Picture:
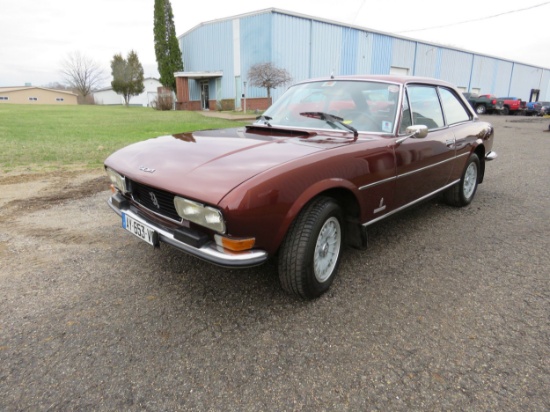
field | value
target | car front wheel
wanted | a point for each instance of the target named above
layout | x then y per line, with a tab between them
463	192
481	109
310	254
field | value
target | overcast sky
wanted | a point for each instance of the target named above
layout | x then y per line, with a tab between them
37	35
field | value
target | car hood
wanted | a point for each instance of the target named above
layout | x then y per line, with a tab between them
207	165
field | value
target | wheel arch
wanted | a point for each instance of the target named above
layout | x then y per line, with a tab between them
480	152
341	191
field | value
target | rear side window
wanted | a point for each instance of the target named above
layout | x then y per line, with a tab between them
453	109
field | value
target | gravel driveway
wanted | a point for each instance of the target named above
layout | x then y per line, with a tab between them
449	309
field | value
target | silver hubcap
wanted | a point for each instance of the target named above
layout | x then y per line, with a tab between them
327	249
470	179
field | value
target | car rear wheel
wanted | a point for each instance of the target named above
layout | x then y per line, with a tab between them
481	109
464	191
310	254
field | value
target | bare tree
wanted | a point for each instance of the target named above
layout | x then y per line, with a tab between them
82	73
269	76
57	86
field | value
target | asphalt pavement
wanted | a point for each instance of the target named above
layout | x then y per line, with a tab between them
448	309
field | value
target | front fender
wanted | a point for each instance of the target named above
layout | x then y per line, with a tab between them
266	212
310	193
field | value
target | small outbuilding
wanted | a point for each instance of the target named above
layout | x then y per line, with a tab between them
108	96
36	95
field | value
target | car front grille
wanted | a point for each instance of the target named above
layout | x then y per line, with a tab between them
156	200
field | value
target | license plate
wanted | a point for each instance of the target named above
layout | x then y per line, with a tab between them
142	231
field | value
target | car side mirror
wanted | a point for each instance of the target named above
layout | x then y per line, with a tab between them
417	131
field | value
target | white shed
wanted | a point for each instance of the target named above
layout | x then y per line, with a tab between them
108	96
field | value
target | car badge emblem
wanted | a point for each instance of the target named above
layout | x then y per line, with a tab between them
154	200
381	207
146	169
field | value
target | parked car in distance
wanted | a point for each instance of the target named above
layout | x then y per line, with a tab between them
482	104
531	108
307	178
510	105
542	108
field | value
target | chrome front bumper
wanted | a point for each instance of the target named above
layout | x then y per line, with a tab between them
209	251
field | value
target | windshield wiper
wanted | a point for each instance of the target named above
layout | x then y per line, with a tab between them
265	119
332	120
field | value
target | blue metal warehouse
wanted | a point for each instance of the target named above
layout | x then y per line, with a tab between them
218	54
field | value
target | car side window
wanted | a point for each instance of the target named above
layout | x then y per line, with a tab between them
426	109
453	109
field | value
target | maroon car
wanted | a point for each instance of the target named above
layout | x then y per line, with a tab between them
331	157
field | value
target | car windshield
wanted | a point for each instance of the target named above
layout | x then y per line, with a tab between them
363	105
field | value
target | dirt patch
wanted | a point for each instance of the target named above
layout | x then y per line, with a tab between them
22	194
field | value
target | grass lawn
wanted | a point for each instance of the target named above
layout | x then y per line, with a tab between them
42	137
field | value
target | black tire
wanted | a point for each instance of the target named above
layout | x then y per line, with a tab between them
464	191
310	254
505	111
481	109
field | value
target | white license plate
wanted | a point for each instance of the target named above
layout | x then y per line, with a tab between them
142	231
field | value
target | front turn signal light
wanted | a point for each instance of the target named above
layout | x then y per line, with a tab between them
235	244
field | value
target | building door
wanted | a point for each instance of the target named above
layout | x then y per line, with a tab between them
205	97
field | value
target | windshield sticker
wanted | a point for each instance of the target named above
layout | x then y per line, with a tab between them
387	126
328	84
393	89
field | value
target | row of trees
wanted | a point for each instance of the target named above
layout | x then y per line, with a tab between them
84	75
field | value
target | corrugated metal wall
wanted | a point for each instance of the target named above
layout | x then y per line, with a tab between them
491	76
403	54
544	86
426	60
308	48
209	48
256	46
381	54
525	78
325	54
455	67
291	47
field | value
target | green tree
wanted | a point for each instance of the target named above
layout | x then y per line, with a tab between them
167	49
127	75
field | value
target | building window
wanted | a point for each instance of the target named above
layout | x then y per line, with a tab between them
33	99
4	98
59	99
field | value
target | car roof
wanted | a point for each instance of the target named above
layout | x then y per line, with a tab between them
383	78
